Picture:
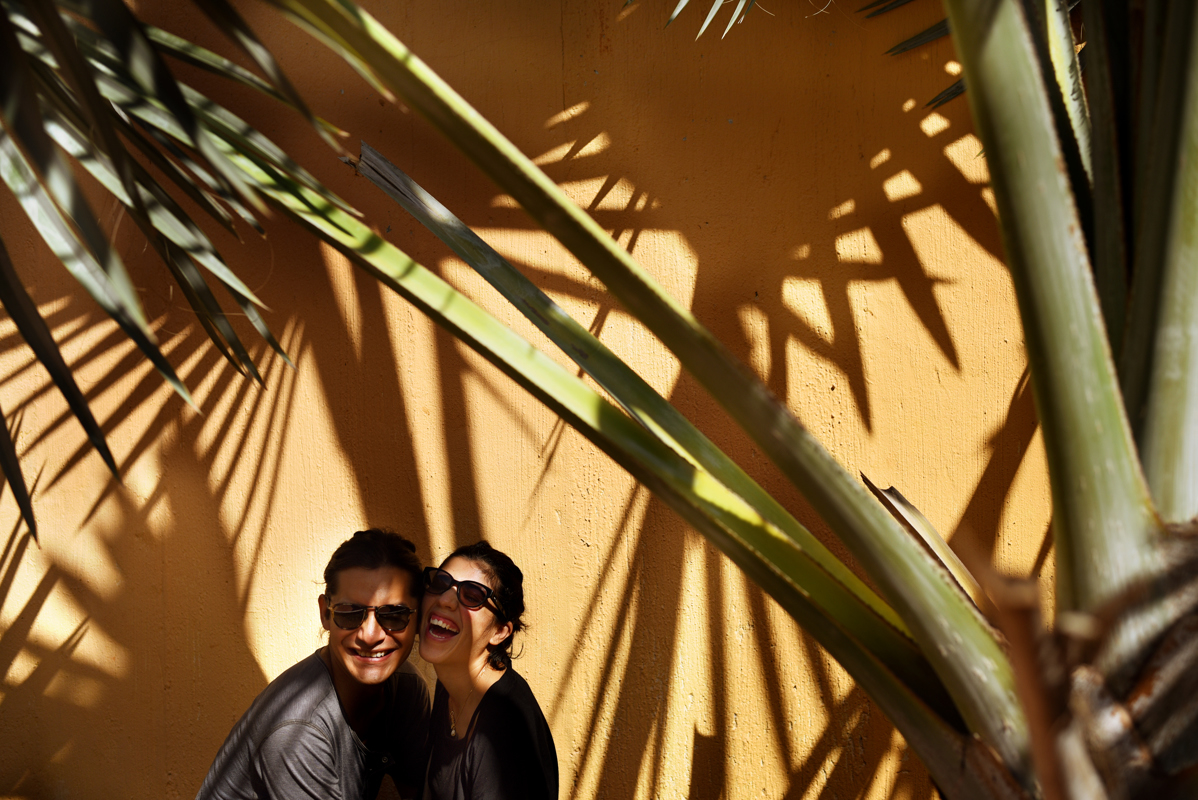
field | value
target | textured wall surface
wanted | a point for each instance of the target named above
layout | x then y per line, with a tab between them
786	183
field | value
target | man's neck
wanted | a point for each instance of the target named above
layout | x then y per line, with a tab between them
360	703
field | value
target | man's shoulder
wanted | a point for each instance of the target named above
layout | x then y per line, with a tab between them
302	693
290	715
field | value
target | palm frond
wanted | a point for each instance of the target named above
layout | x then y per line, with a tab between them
940	619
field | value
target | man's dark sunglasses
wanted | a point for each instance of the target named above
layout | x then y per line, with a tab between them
471	594
350	616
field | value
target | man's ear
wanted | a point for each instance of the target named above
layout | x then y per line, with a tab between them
502	631
325	617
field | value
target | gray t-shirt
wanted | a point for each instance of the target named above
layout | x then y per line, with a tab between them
294	741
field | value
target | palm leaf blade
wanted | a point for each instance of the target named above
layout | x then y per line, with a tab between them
159	209
37	335
937	31
141	61
74	256
10	464
22	121
913	520
1108	93
227	18
1169	431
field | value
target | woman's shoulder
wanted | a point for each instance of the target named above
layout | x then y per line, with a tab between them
510	709
512	683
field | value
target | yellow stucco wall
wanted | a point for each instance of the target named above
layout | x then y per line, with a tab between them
786	183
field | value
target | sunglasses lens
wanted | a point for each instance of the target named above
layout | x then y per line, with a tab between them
348	617
437	581
393	619
471	594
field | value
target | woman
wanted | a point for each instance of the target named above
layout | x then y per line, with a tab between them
488	737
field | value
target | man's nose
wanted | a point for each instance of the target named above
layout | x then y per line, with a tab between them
370	628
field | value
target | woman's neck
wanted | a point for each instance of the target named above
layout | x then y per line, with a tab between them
466	688
463	682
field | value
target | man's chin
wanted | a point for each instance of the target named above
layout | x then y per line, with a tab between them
372	671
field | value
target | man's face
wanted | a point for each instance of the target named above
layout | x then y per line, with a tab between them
368	654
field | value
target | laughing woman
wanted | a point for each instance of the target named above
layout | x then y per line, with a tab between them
488	736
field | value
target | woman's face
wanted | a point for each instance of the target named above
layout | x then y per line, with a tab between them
450	633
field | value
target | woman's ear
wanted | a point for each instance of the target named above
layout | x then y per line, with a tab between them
325	616
502	631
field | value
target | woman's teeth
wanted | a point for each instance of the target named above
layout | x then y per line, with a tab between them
441	627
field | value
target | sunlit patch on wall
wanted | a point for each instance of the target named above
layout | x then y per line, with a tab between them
966	155
755	325
843	210
595	146
66	329
504	201
804	297
858	247
880	159
933	124
78	690
567	115
345	293
553	156
801	252
908	104
901	186
988	196
63	753
90	648
953	68
20	668
618	648
594	194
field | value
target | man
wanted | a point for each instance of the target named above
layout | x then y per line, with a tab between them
333	724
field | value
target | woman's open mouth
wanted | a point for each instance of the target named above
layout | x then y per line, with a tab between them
440	629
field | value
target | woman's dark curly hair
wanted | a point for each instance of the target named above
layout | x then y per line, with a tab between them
374	549
508	586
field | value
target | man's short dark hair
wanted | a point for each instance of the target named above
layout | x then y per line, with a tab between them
374	549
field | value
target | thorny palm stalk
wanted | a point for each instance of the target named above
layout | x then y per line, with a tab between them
1116	560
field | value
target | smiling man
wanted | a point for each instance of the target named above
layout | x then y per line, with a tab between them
332	725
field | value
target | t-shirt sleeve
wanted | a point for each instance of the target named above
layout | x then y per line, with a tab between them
296	761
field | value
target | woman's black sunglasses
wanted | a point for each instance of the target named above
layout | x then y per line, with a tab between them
471	594
350	616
